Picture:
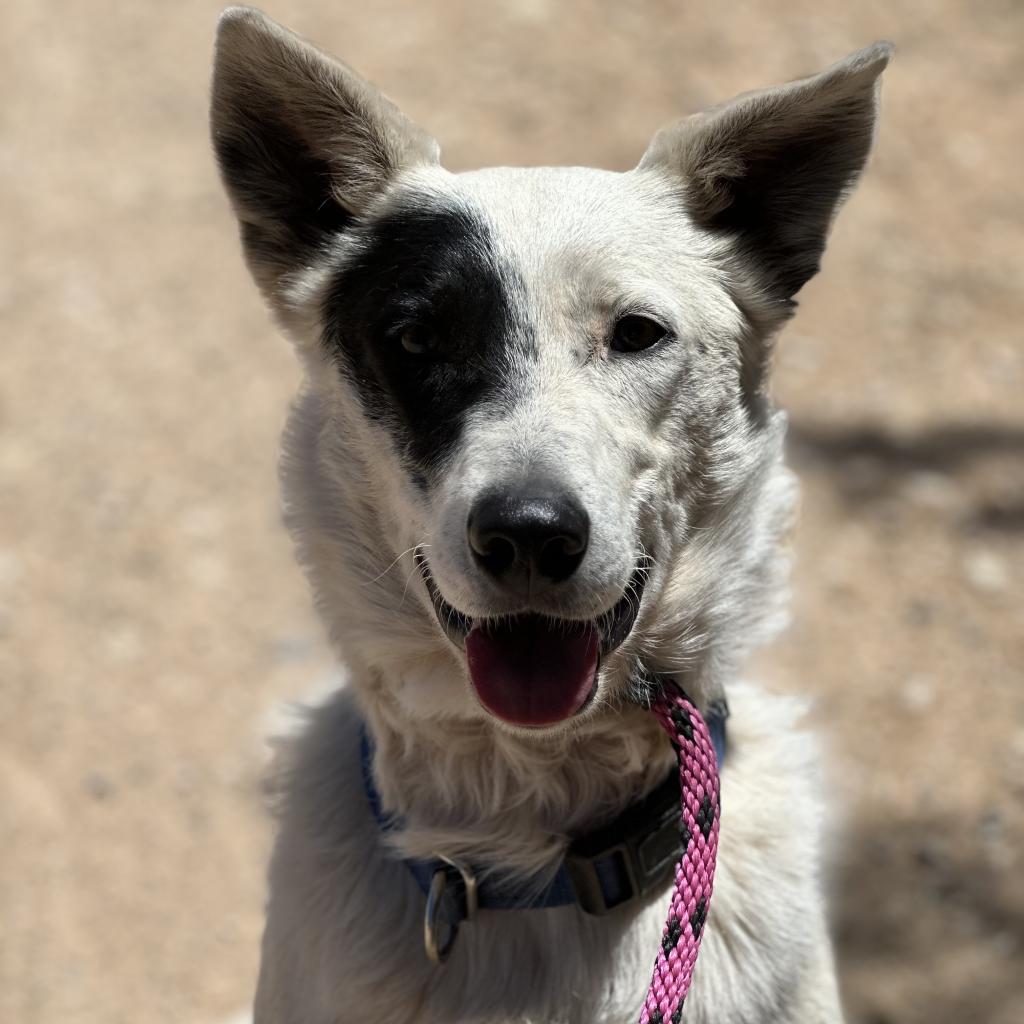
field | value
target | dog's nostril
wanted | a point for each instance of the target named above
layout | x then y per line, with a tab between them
534	535
495	553
559	557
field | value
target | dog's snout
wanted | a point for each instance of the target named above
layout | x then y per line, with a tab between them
529	539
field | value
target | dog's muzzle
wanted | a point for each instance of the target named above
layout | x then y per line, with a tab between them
534	670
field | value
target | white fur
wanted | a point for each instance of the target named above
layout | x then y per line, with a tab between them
344	935
678	455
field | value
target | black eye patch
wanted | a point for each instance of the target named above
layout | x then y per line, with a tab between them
427	273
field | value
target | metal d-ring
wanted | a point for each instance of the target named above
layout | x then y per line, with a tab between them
442	917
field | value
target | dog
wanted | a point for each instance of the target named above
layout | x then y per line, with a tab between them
534	449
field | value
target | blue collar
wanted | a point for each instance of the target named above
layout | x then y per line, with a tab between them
625	860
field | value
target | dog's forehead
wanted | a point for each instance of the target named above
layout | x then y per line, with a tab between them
607	234
554	206
545	215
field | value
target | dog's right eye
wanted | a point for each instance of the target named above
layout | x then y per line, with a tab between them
418	339
633	333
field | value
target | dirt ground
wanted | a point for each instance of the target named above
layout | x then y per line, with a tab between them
151	618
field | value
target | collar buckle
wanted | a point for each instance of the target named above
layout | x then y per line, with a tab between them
632	858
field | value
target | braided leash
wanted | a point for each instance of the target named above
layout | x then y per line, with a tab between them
695	872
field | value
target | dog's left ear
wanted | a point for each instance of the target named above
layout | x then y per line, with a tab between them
771	167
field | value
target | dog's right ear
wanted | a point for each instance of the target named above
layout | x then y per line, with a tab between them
304	144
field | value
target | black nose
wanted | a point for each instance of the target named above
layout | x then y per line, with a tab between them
529	538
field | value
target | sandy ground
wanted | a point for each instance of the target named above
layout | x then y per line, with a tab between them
150	615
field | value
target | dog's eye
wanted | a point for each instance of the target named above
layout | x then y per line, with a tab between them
633	333
418	339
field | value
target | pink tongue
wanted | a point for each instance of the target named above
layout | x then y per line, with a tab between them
531	671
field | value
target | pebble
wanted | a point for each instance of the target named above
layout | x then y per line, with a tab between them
918	694
932	490
985	571
99	786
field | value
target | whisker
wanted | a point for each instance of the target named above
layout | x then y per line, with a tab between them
405	589
397	559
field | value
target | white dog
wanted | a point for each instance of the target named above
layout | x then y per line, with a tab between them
533	451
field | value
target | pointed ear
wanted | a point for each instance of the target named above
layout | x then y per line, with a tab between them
771	167
304	144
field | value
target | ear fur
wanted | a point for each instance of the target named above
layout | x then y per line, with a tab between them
303	143
771	167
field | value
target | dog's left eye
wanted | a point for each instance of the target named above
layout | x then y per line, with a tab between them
418	339
633	333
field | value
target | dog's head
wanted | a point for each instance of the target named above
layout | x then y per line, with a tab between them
542	393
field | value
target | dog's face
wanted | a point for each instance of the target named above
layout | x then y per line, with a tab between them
535	364
548	384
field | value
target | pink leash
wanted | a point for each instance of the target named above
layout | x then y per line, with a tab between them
695	872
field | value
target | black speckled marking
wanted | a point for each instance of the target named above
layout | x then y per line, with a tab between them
437	265
699	917
706	815
671	937
682	721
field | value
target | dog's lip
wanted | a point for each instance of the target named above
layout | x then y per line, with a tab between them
613	626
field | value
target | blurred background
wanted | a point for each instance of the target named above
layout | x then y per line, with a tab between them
151	617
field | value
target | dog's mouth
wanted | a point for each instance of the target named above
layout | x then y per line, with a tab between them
536	670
